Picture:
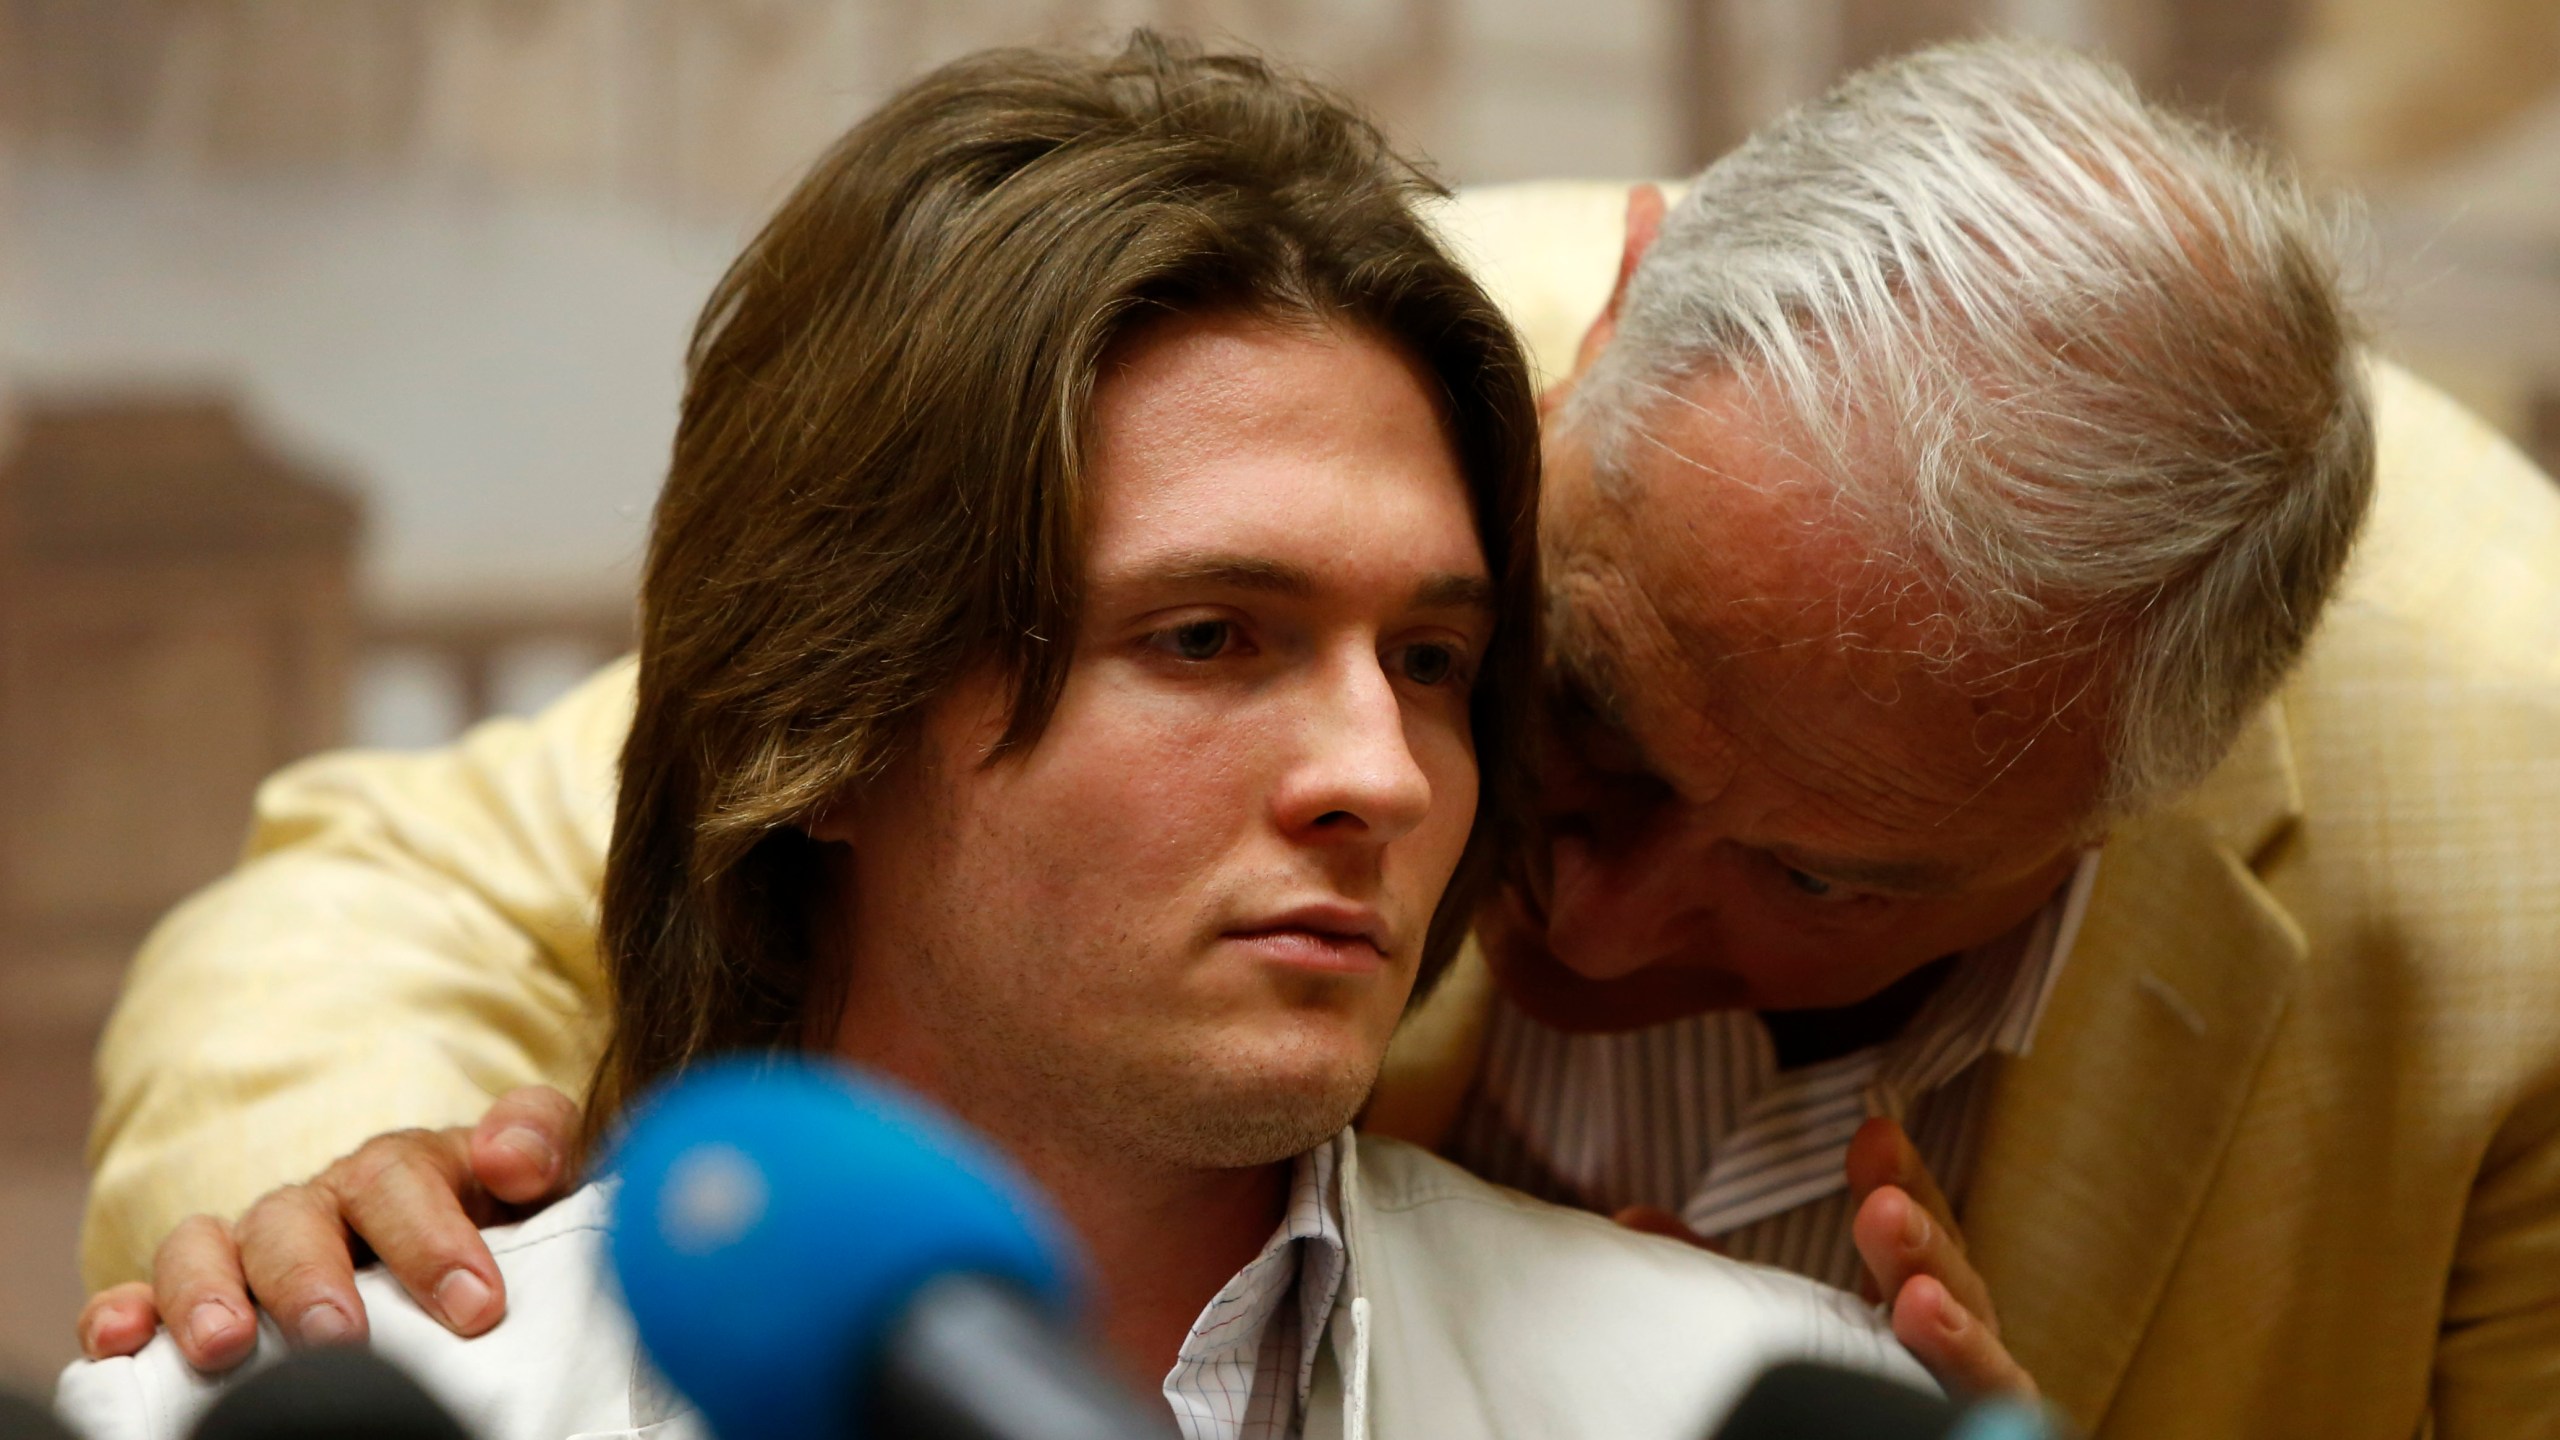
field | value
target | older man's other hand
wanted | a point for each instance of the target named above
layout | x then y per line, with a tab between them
415	1198
1906	1232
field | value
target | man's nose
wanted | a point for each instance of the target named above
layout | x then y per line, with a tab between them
1612	912
1357	776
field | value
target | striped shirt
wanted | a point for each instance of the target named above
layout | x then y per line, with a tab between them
1244	1370
1696	1118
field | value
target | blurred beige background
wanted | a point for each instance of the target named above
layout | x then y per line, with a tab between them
339	343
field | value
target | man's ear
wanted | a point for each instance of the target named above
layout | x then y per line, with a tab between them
1645	209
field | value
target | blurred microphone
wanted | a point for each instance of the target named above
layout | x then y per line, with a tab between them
809	1254
332	1393
1801	1401
24	1419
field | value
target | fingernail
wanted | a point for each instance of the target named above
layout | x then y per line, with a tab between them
210	1322
1951	1319
530	1144
324	1324
464	1298
1915	1228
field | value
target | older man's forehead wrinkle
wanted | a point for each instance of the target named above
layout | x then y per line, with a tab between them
1749	630
1860	781
1792	701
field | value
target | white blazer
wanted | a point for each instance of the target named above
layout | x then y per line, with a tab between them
1469	1312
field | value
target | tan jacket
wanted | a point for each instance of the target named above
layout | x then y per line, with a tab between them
1468	1312
2285	1161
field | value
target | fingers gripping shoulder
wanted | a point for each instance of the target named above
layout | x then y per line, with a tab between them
151	1395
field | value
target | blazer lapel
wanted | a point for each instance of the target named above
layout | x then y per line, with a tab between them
2100	1145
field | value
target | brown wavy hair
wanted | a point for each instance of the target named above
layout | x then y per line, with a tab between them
879	479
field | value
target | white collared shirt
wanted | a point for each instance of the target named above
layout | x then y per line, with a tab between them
1695	1117
1244	1370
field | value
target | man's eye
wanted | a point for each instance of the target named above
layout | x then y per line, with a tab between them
1813	885
1428	664
1198	640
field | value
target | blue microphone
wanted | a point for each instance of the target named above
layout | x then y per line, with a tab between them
328	1393
806	1253
1799	1400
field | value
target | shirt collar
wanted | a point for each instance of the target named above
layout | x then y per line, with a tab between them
2052	935
1305	1259
1781	1148
1993	1000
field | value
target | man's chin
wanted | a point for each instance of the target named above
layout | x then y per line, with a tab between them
1555	996
1259	1115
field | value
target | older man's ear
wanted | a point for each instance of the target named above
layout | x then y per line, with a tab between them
1645	209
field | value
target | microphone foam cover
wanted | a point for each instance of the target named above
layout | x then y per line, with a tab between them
328	1394
24	1419
775	1217
1798	1400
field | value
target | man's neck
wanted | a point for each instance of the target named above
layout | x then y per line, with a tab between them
1809	1037
1163	1243
1163	1239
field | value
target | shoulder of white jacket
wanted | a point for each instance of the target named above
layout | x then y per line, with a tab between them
153	1394
103	1399
564	1241
1792	1316
156	1395
1397	1178
580	1217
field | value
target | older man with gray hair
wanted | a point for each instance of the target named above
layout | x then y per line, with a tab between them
1996	843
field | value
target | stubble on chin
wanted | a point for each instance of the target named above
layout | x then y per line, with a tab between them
1172	1113
1235	1122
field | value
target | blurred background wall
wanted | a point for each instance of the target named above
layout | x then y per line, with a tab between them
340	341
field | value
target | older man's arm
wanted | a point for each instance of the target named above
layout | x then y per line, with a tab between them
410	936
2498	1361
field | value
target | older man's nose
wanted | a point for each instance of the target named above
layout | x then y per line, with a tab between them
1607	914
1358	778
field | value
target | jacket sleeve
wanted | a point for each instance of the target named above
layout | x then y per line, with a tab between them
409	935
2497	1370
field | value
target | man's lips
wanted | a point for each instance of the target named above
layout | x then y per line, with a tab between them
1348	939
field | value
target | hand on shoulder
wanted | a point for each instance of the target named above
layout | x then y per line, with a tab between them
1906	1232
414	1199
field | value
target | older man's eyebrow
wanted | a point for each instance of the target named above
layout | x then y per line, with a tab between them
1905	877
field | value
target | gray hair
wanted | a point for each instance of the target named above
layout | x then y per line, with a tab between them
2086	363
